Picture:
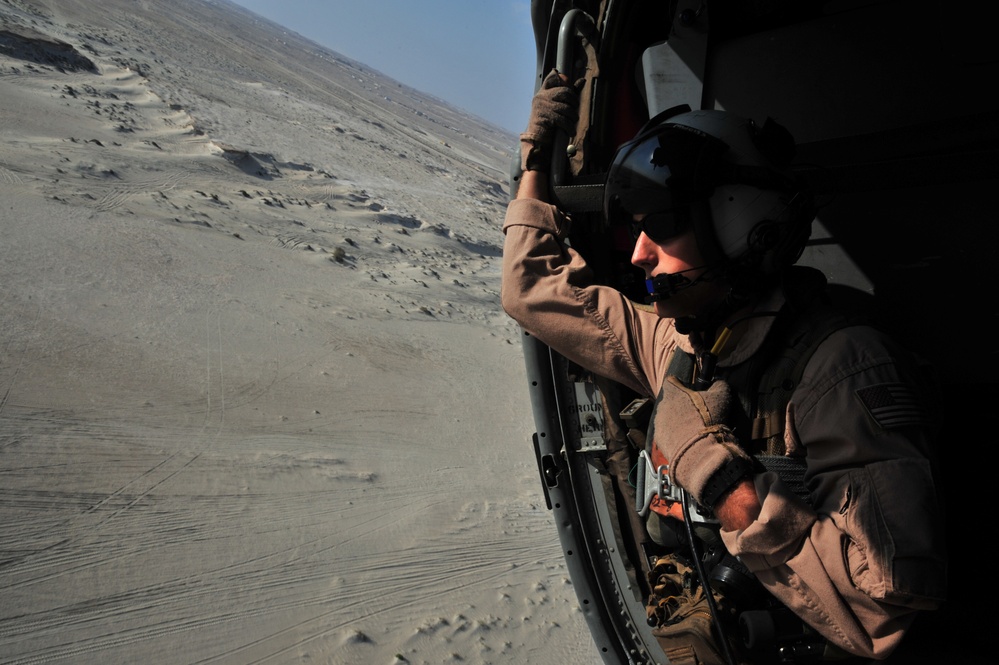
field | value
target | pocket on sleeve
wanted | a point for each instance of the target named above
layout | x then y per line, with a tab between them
895	551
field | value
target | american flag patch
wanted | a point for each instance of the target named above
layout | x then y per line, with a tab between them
892	405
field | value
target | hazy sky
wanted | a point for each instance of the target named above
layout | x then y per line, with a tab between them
475	54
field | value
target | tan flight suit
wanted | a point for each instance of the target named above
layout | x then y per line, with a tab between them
868	553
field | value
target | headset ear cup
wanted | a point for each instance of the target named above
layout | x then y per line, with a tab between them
764	239
776	244
800	215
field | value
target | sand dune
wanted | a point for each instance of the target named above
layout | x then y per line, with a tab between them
258	400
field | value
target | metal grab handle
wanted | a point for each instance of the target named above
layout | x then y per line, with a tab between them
575	23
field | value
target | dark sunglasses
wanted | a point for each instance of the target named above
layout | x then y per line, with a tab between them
662	226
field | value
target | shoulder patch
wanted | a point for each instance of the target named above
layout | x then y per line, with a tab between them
892	405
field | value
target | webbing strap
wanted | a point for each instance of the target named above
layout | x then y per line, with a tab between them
767	426
791	471
682	365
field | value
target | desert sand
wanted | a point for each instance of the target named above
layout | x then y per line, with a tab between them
258	400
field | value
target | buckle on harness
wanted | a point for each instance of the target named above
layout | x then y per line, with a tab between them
651	483
655	483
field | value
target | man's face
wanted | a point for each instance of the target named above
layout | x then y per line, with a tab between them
679	254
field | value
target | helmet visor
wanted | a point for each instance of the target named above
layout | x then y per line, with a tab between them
660	174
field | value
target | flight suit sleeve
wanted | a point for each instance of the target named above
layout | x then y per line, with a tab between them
548	289
868	553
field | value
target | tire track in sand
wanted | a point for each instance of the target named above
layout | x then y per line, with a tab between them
129	494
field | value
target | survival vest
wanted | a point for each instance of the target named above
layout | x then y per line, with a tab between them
764	383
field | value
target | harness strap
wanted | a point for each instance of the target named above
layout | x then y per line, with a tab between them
682	366
791	470
767	425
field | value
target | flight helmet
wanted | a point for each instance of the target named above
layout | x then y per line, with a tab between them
720	175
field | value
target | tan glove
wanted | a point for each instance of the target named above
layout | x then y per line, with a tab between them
555	106
704	457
